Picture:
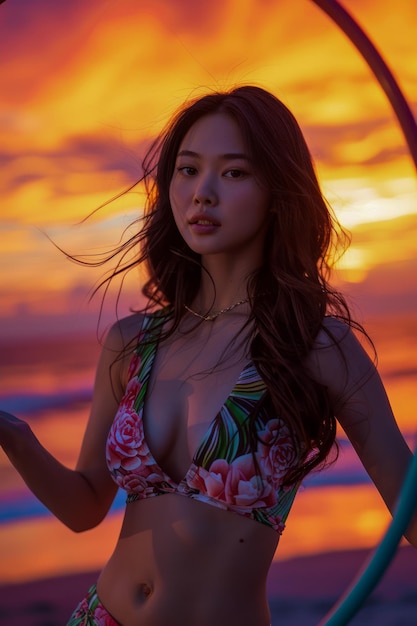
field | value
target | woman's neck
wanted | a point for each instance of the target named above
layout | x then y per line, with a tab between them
220	294
222	285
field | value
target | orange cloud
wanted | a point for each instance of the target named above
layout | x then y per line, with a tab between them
86	85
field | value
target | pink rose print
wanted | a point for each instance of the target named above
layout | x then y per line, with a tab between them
211	482
276	450
245	488
131	393
236	483
133	484
102	617
278	525
125	441
134	366
145	484
81	609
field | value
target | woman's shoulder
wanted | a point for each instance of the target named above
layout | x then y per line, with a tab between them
338	359
125	333
333	332
121	343
339	340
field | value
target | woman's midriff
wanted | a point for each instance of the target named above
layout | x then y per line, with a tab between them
183	562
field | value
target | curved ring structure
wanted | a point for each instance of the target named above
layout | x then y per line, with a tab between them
375	567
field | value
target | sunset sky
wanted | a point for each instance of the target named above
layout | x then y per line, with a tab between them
86	85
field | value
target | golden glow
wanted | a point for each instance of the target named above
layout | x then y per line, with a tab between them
118	71
358	518
63	551
83	94
354	264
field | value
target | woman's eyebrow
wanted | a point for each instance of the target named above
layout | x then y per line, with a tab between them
229	156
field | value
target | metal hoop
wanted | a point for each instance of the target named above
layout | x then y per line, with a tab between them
374	568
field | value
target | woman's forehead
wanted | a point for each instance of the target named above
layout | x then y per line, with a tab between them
216	133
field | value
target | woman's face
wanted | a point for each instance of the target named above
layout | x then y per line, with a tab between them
217	201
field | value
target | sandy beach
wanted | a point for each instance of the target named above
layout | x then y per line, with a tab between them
301	591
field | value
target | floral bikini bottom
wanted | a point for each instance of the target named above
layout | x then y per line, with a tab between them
91	612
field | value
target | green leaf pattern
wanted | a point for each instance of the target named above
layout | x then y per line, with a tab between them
240	463
91	612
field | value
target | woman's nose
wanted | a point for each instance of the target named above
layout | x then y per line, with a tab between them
205	192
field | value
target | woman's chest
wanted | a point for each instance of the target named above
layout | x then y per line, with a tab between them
188	385
183	398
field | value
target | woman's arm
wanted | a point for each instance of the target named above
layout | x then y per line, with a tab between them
79	497
363	410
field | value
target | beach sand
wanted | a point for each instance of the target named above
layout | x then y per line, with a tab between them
304	589
301	591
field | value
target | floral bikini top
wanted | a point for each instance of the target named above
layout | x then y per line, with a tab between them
224	471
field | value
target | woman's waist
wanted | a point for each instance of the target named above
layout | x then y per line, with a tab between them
187	597
183	528
171	547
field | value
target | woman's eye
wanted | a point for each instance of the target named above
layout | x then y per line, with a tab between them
187	170
234	173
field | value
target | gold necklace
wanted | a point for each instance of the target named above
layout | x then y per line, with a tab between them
213	316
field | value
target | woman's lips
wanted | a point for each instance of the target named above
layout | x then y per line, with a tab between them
203	224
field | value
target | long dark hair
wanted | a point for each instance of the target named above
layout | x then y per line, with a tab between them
290	294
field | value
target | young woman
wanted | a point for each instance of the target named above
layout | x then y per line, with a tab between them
212	405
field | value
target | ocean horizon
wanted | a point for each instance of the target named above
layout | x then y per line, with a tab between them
48	381
17	503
